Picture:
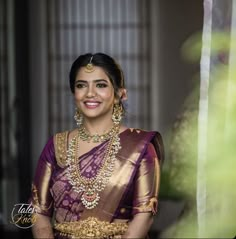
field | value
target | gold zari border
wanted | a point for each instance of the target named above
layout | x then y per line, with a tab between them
91	228
61	148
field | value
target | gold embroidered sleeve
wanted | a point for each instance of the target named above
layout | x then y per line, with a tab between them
60	144
147	183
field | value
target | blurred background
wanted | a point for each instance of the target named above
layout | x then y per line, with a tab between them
40	39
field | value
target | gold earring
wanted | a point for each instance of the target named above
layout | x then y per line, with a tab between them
78	117
117	114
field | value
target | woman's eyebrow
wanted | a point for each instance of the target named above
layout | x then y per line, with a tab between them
96	81
82	81
100	80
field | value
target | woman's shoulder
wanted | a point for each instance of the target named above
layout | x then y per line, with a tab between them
65	135
151	138
137	137
61	140
141	132
60	133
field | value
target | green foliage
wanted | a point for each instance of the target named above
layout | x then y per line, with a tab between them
180	173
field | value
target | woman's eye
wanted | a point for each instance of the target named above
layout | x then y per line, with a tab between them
79	85
101	85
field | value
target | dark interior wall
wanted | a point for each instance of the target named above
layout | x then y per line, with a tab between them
22	161
178	20
22	97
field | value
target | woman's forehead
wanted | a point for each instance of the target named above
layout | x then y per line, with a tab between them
97	73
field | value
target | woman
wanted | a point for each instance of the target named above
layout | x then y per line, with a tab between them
100	180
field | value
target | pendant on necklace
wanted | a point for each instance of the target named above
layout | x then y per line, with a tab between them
90	198
96	138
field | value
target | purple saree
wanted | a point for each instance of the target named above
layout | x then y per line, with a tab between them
132	188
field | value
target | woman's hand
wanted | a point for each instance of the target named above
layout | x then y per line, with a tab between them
139	226
42	227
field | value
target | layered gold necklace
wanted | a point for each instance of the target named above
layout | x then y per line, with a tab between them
96	138
90	187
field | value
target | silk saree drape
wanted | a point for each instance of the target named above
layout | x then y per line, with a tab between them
132	188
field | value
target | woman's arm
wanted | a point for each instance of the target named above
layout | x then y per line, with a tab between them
41	198
139	226
42	227
146	187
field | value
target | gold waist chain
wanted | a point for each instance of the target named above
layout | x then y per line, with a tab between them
91	228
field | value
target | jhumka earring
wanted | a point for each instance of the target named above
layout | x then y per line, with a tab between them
117	114
89	67
78	117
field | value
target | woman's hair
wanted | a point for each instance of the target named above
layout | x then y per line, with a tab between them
107	63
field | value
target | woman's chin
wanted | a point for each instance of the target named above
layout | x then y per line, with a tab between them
90	117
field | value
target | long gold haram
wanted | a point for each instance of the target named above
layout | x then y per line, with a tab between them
90	187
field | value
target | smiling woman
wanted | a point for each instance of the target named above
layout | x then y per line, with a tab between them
94	96
100	180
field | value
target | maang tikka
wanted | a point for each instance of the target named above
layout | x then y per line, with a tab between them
78	117
89	67
117	114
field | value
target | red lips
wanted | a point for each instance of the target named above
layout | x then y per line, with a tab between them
91	104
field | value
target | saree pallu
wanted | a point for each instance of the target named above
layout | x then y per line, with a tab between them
132	188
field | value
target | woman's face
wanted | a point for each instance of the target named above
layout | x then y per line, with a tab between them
94	93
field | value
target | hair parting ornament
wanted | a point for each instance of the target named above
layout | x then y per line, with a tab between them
89	67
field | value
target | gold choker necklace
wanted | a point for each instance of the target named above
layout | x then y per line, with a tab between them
96	138
90	187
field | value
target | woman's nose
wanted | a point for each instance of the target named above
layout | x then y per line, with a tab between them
91	91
